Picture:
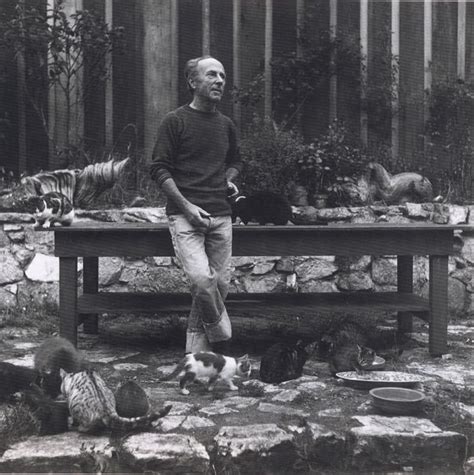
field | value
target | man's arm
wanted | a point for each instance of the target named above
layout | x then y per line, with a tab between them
194	214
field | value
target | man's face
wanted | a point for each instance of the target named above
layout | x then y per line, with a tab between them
209	81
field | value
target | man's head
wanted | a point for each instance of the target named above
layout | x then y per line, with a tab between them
205	77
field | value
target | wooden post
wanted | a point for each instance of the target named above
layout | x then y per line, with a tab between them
160	70
395	54
206	27
109	97
90	286
268	58
461	56
405	284
364	41
236	33
332	67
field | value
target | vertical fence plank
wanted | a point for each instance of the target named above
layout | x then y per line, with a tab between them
268	58
427	54
109	99
364	43
236	40
461	40
206	27
21	107
333	77
395	55
158	72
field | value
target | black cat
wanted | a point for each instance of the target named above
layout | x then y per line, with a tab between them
263	207
15	378
284	361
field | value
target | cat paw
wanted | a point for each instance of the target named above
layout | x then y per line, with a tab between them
47	224
185	391
234	388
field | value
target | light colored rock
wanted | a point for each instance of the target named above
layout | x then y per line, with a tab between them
4	241
108	356
55	453
384	271
17	237
110	269
259	439
312	387
10	270
355	281
145	215
129	366
457	214
416	210
217	410
277	409
393	442
26	360
165	453
23	255
287	395
15	218
332	412
43	268
334	214
163	261
169	423
12	228
196	422
263	268
455	373
179	408
314	269
263	284
468	248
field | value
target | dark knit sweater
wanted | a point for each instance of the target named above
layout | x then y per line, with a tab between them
196	148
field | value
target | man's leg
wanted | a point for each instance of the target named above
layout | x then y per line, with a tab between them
208	311
219	252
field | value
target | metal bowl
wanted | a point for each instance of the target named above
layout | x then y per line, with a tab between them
397	401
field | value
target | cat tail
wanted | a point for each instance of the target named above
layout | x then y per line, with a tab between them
175	372
119	423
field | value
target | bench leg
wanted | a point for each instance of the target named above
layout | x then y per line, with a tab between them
405	284
91	286
68	298
438	332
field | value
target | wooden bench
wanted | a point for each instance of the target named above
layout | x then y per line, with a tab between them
92	241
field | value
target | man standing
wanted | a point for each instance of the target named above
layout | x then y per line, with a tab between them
195	161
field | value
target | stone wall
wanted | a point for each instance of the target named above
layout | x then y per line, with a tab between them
29	271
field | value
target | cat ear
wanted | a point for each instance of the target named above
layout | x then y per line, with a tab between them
244	358
62	373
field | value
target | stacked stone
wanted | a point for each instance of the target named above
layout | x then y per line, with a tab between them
29	270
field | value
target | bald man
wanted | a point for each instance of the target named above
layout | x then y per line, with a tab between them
195	160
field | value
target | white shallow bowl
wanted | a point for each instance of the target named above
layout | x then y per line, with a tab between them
397	401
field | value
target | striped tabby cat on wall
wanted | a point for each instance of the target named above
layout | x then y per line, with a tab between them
92	404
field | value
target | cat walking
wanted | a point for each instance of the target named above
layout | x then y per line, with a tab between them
50	209
211	366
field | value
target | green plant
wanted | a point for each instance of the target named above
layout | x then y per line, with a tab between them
269	154
67	52
331	160
450	147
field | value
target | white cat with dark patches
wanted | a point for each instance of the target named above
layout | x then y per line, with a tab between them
51	209
210	366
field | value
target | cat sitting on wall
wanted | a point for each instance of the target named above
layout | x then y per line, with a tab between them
262	207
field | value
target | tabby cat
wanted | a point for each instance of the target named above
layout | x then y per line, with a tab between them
351	357
213	366
92	404
284	361
131	400
15	378
263	207
52	355
51	209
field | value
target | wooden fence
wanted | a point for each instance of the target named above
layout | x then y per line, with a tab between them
429	39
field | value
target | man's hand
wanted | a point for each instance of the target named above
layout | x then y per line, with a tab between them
196	216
